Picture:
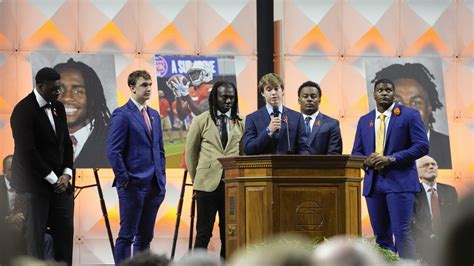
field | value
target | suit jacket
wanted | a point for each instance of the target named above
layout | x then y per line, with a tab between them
94	152
204	146
136	156
406	140
257	141
422	226
440	149
325	137
4	204
38	149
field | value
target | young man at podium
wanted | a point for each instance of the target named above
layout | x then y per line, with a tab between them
213	134
274	128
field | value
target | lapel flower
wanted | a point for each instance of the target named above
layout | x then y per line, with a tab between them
318	122
371	123
285	118
396	111
54	112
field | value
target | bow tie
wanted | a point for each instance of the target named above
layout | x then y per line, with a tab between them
48	105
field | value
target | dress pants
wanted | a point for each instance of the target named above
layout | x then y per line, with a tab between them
208	204
53	210
391	216
138	206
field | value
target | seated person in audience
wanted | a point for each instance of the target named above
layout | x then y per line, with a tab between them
12	220
433	204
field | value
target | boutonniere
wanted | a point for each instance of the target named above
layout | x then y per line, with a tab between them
54	112
152	119
318	122
396	111
285	118
371	123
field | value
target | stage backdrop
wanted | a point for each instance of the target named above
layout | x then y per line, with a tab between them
327	41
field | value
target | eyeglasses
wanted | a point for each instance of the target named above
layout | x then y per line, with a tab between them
428	165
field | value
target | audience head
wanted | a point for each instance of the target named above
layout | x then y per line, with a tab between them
146	258
344	251
427	169
199	257
7	166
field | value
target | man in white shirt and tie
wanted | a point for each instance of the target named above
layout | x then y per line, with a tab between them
432	206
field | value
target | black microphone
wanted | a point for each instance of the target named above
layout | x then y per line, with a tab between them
276	113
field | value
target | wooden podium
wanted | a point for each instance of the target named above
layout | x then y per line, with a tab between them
313	195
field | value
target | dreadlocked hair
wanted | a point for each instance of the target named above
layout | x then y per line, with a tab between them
96	104
234	110
417	72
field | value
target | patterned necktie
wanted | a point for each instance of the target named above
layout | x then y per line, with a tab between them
379	144
435	212
307	120
147	120
223	129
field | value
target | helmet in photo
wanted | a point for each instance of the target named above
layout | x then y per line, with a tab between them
200	72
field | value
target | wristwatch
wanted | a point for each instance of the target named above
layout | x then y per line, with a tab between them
268	131
392	159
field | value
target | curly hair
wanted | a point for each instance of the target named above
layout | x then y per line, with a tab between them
213	101
96	104
420	74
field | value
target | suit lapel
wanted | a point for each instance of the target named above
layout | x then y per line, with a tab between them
316	127
215	133
139	117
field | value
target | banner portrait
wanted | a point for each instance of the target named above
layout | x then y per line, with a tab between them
184	83
89	95
419	84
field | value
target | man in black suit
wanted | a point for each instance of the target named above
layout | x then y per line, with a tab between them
42	166
433	205
415	88
87	113
324	135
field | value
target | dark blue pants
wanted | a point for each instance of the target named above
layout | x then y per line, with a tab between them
138	206
391	216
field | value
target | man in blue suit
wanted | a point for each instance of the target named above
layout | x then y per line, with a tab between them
266	130
136	153
393	137
324	135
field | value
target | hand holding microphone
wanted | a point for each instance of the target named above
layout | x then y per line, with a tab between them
275	122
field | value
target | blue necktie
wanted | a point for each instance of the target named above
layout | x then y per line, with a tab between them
306	123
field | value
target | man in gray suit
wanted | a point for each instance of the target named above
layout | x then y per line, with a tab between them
324	135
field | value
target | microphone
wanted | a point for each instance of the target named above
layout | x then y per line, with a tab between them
276	113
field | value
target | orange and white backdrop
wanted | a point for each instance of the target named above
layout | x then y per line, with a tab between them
327	41
331	41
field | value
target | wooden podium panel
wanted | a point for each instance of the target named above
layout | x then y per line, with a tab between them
313	195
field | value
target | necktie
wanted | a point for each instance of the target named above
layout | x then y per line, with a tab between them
307	120
435	212
48	105
379	145
223	129
147	120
